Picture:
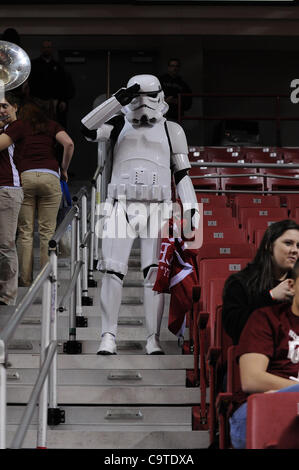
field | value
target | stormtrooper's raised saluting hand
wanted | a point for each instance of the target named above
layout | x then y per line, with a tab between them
125	95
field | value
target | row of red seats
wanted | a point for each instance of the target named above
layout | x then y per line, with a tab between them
233	226
229	223
246	179
246	154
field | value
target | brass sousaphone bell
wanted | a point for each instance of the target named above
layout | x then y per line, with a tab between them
15	66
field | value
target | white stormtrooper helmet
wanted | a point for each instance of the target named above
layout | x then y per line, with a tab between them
149	106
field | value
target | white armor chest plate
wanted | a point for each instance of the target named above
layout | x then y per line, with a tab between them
141	164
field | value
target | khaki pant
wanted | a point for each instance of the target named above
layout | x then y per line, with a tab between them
10	204
42	193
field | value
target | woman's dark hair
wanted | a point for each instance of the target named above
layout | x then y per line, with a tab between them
35	116
260	271
11	98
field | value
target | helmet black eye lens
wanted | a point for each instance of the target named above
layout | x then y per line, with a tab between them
152	95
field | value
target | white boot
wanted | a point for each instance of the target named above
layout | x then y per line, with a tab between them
153	345
107	345
110	300
153	308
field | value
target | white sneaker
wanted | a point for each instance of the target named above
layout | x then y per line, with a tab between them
153	345
107	344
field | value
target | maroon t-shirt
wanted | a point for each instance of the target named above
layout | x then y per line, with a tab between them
34	150
274	332
9	175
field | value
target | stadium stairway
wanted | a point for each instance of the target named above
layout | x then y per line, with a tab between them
126	401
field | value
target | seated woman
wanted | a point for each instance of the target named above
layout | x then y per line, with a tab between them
268	354
264	281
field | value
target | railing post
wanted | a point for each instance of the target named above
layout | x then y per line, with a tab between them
78	257
91	281
45	341
85	299
97	212
73	346
2	396
81	321
55	414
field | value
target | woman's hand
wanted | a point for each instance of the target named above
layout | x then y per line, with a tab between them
64	175
284	291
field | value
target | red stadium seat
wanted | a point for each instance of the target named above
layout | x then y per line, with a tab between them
197	153
255	223
269	212
208	269
264	155
281	180
295	214
212	200
224	154
273	421
218	217
204	177
258	236
221	249
291	155
254	200
291	201
224	234
241	179
226	401
215	212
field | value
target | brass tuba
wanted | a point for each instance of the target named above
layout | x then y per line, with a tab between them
15	66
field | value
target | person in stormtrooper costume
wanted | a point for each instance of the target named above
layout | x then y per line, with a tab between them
148	149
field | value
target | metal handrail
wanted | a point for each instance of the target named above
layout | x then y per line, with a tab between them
26	302
67	295
30	408
292	166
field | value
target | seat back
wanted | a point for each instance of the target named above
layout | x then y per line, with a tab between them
236	181
282	184
220	249
254	223
222	268
224	235
291	155
273	421
267	212
211	200
254	200
233	371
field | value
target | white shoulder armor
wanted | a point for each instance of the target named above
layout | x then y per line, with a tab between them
177	137
179	147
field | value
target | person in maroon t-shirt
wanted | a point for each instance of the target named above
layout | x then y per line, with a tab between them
268	354
11	196
35	138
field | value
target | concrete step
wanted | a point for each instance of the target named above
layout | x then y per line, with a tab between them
73	439
112	378
124	333
115	362
20	346
115	418
126	310
116	395
93	318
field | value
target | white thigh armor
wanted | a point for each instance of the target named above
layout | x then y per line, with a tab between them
127	222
